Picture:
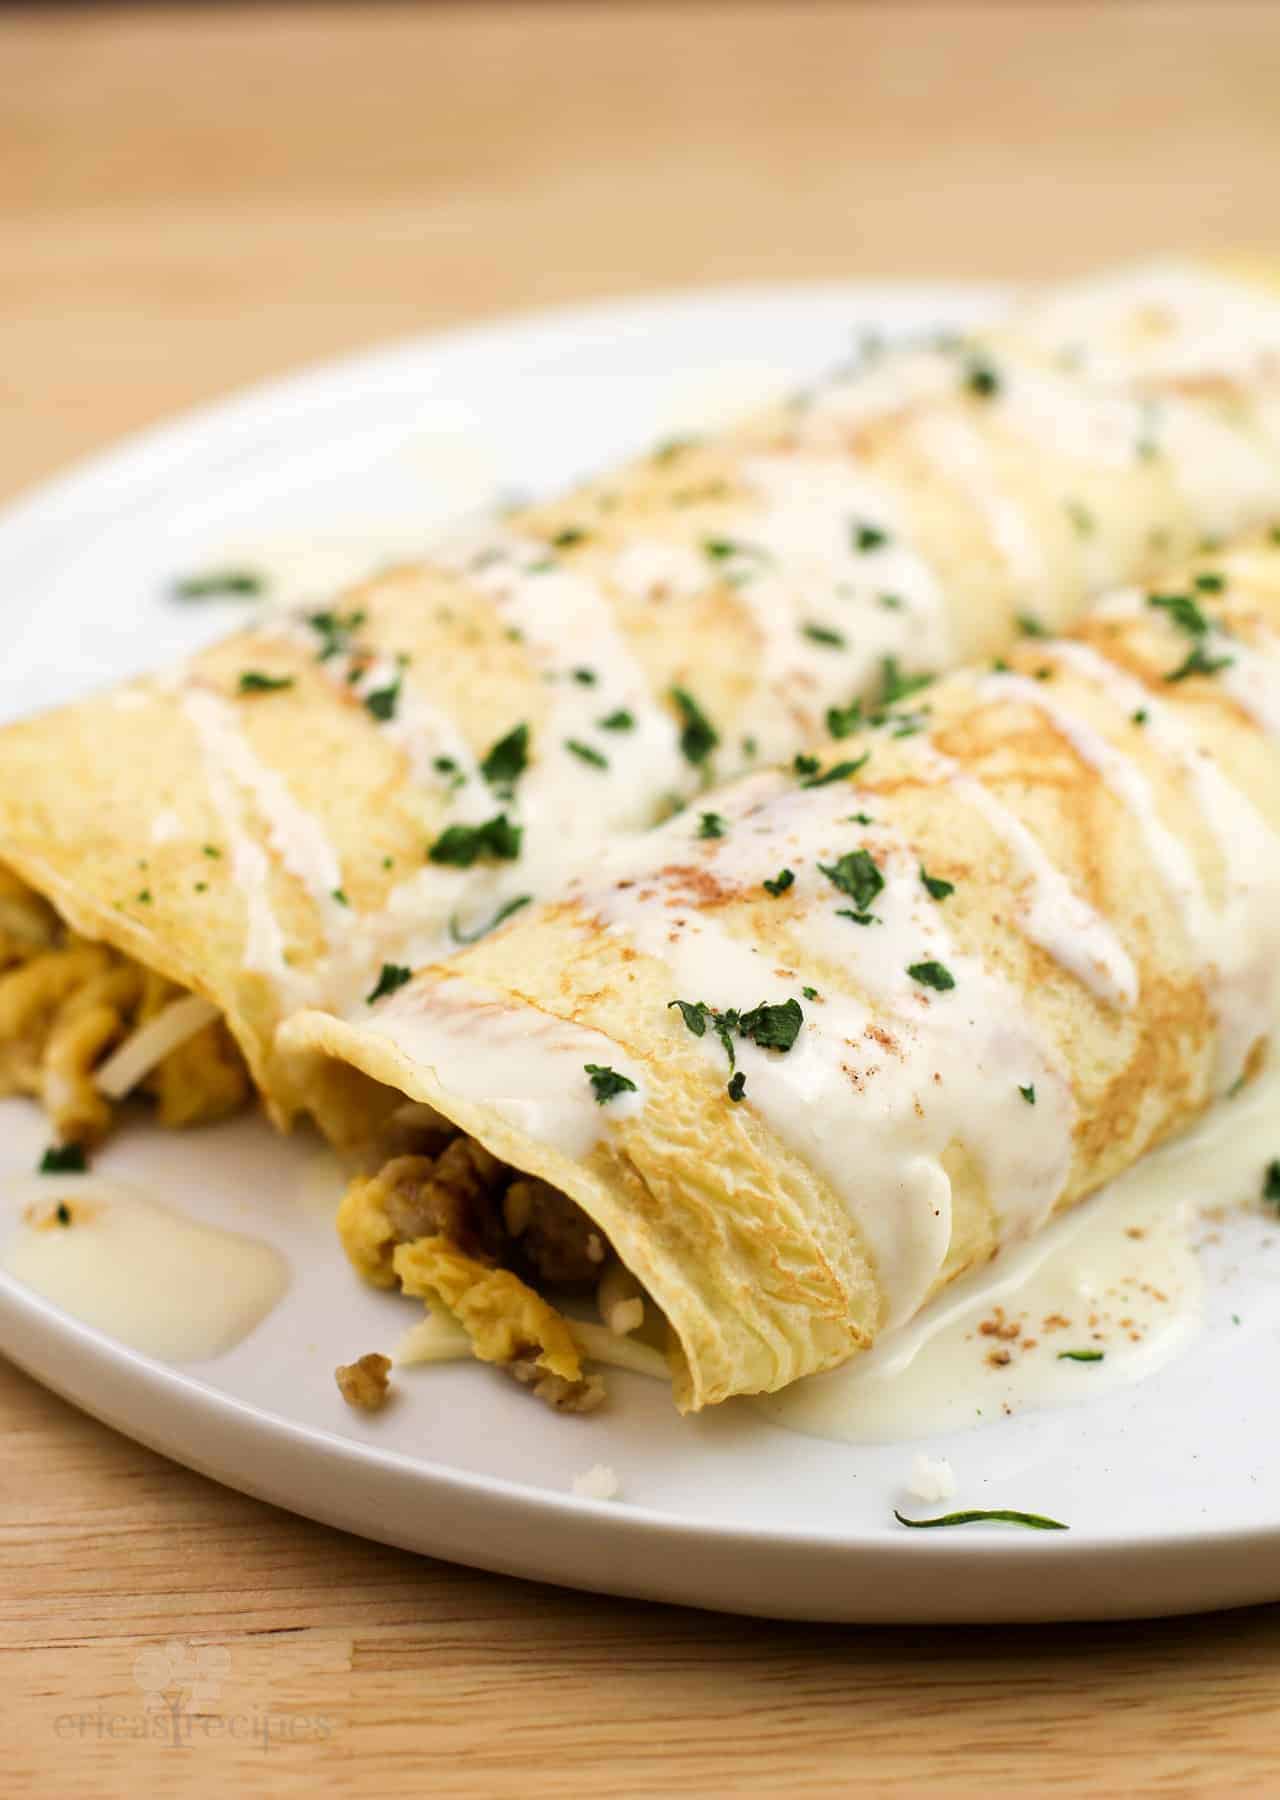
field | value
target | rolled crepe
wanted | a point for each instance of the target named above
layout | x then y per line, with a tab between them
323	800
892	1014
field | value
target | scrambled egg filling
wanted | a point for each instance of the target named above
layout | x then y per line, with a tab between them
65	1005
451	1223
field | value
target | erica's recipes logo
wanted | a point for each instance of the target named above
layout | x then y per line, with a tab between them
180	1684
178	1673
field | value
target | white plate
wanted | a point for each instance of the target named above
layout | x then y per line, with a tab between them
1168	1486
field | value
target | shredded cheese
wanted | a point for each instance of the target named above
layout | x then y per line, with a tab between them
151	1043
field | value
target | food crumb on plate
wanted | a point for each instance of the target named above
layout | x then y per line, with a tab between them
366	1383
932	1478
599	1482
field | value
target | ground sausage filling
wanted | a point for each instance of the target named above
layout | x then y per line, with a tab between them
450	1223
67	1003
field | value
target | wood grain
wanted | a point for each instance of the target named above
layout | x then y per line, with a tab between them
193	199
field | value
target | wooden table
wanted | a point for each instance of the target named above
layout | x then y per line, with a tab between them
192	199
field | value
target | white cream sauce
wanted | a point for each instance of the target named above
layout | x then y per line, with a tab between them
1162	323
1117	1274
800	569
958	451
526	1066
1053	915
144	1273
875	1089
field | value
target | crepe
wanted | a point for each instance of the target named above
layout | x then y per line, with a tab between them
325	799
889	1018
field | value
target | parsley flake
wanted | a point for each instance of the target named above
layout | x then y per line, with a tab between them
868	537
737	1086
1182	612
254	681
935	886
932	974
393	976
621	720
63	1159
1029	1093
1198	662
842	721
586	753
1271	1184
711	825
823	634
506	761
462	845
217	584
1081	1355
607	1084
857	875
698	736
780	883
504	912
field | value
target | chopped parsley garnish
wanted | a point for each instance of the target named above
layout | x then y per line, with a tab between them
462	845
216	584
895	686
737	1086
212	850
698	736
810	993
254	681
932	974
504	912
712	825
837	772
805	765
381	704
1271	1184
1182	611
393	976
868	537
144	898
621	720
842	721
1081	517
1030	626
63	1159
607	1084
585	677
1002	1515
1029	1093
335	631
62	1213
855	874
935	886
859	918
571	535
823	634
585	753
508	759
772	1027
1081	1355
340	896
891	602
1198	663
1140	717
725	549
780	883
981	377
1210	582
